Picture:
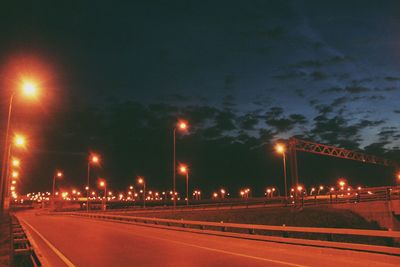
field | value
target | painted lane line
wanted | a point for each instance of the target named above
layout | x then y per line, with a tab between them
231	253
55	250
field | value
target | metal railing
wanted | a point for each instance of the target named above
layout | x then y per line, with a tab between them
22	253
387	236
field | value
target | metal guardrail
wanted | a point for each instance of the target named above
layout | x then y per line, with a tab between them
22	253
250	228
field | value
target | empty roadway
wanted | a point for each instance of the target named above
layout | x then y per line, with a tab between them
73	241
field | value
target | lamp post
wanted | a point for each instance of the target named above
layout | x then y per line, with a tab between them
28	89
20	142
93	159
181	126
281	149
183	169
103	184
57	174
222	193
142	181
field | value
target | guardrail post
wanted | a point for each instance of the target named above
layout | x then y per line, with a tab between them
252	232
329	237
387	194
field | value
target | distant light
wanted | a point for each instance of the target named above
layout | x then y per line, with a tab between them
183	169
280	148
299	188
14	174
16	163
182	125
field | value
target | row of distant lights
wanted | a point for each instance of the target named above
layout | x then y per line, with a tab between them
162	196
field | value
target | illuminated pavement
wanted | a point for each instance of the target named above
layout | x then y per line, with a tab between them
85	242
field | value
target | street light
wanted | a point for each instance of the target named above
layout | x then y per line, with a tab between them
15	162
59	175
102	183
222	193
95	160
281	149
183	169
18	141
181	126
28	88
142	181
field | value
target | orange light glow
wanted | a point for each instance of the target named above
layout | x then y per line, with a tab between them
59	174
19	140
342	183
102	183
183	169
280	148
29	88
14	174
140	180
300	188
182	125
95	159
16	163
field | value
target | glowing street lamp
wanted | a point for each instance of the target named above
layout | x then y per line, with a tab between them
222	193
93	159
103	184
59	175
181	126
320	189
15	163
28	89
143	182
281	149
19	140
184	170
14	174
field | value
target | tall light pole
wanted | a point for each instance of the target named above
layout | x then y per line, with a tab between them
93	159
20	142
281	149
103	184
57	174
28	89
143	182
183	169
181	126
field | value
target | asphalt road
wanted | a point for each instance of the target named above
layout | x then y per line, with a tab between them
72	241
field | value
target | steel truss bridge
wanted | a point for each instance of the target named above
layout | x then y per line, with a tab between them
296	144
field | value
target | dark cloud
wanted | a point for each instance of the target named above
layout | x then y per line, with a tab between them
290	75
321	63
392	79
333	90
318	75
356	89
275	118
248	121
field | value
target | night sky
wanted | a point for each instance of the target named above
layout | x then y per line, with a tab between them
115	77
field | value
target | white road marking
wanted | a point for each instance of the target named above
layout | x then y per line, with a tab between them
55	250
231	253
